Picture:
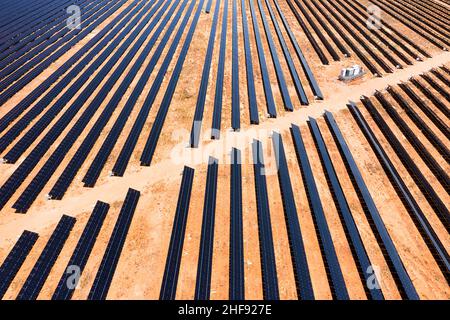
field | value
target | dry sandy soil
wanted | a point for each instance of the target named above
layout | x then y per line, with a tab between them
141	265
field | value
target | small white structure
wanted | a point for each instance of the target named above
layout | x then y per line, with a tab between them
354	72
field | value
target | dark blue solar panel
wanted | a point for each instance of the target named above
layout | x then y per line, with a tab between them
201	98
407	288
337	283
298	254
267	252
204	267
82	251
46	260
15	259
352	233
236	289
172	268
111	258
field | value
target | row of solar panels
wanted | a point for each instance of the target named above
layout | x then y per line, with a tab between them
142	11
44	264
77	160
154	16
235	102
17	70
298	254
352	16
303	281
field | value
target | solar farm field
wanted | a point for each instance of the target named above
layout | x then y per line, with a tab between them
224	150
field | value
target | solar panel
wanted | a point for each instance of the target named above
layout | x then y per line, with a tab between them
172	268
153	138
15	259
404	281
271	108
351	230
200	106
426	230
47	259
337	283
204	268
113	251
252	103
236	289
298	254
82	251
267	252
217	110
100	159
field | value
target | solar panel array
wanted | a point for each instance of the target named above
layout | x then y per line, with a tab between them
204	268
38	275
267	252
298	253
404	281
353	235
434	244
337	283
237	289
113	251
172	268
35	37
19	72
80	256
15	259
